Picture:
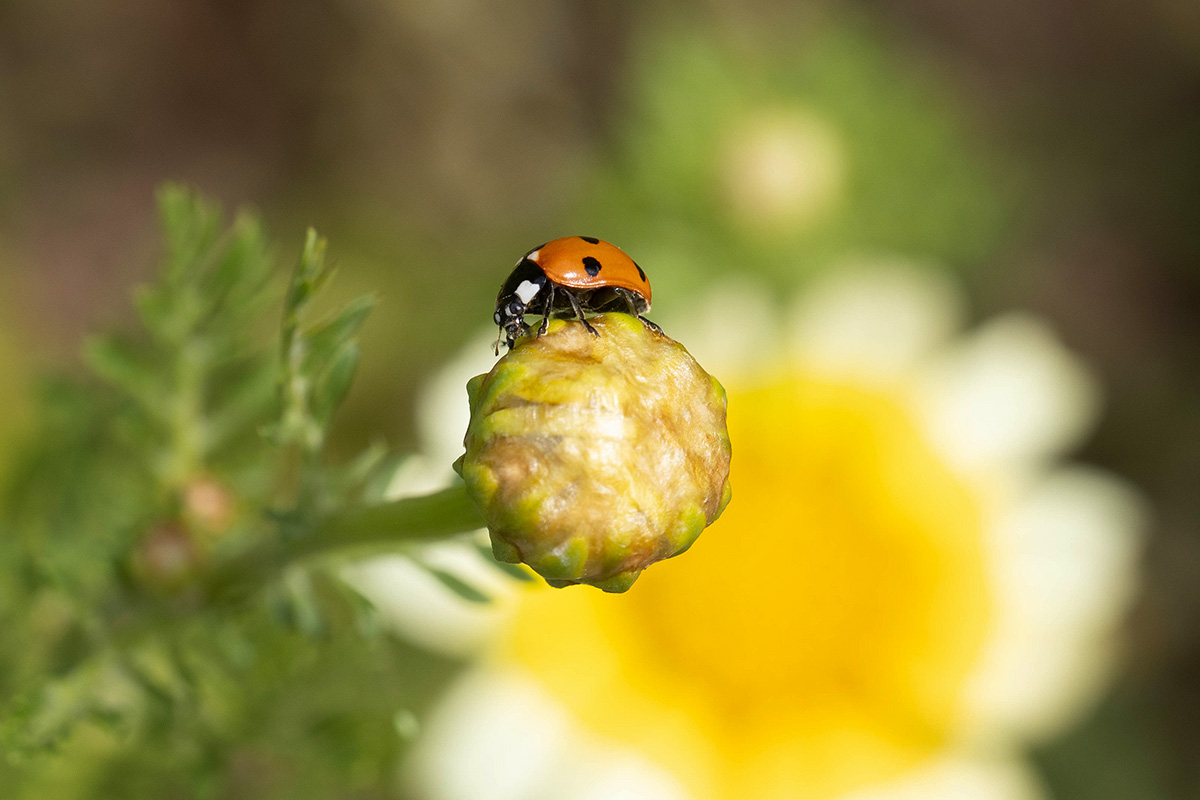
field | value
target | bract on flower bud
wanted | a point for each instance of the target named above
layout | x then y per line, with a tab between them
592	457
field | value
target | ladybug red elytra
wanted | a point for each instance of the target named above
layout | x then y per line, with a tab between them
576	274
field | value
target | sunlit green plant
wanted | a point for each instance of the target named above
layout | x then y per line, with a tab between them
169	555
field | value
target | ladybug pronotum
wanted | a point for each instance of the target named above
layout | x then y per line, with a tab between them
574	274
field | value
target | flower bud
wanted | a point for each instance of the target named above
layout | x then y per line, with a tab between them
166	558
592	457
208	505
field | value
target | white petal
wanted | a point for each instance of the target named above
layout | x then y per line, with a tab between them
732	330
873	320
1009	396
496	736
415	476
1063	560
442	408
499	735
596	772
418	607
959	778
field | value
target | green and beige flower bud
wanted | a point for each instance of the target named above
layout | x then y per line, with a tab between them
592	457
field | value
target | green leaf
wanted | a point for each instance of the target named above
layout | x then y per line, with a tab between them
244	267
190	227
125	366
327	337
333	385
242	406
313	379
310	277
366	616
358	475
301	604
457	585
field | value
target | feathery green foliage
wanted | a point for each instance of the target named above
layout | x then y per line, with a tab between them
177	622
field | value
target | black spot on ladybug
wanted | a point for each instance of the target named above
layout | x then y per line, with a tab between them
591	265
641	274
590	239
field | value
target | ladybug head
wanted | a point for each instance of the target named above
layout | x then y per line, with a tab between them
520	293
510	317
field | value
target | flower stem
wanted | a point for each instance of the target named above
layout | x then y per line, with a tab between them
351	531
432	516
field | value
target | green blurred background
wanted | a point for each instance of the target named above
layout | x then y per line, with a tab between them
1044	152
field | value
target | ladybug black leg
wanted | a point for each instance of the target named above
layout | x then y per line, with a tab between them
578	309
546	306
633	310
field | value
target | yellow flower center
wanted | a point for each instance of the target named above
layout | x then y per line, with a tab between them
817	637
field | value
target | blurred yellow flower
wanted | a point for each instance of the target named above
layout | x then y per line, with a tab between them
907	588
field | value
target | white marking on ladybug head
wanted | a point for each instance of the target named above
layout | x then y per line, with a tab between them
527	290
534	255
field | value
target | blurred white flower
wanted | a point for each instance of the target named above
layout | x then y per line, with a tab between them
908	588
784	170
543	755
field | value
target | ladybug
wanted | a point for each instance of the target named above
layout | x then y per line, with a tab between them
573	274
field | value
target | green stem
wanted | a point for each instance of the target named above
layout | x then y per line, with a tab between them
353	530
432	516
